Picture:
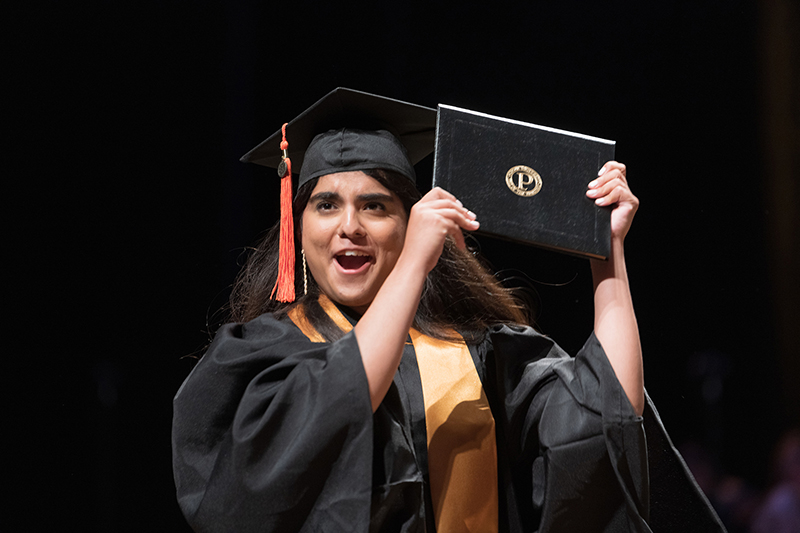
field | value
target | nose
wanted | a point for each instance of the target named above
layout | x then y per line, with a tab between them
351	226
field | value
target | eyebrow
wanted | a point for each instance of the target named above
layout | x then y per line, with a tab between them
375	197
325	196
371	197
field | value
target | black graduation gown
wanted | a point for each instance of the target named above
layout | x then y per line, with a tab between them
273	432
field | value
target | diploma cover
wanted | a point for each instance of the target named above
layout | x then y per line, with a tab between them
526	183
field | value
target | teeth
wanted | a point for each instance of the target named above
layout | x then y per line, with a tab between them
354	254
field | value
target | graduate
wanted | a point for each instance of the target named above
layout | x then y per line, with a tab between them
376	377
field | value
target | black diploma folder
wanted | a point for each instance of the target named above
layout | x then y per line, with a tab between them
527	183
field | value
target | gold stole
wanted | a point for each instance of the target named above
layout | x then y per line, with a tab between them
462	450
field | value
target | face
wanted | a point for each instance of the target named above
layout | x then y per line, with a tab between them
353	232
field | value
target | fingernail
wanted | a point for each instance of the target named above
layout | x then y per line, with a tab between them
470	213
593	184
600	201
459	203
601	171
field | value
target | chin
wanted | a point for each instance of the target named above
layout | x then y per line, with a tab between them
355	303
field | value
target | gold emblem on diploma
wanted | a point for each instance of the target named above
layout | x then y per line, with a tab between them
523	181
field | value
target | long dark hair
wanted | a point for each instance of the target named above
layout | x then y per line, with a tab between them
460	293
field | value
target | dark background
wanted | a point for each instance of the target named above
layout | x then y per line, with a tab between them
129	211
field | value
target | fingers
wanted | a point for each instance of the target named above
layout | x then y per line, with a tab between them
613	165
609	171
458	237
608	192
454	211
435	217
437	193
611	185
446	219
447	205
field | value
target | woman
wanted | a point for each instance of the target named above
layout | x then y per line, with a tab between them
320	415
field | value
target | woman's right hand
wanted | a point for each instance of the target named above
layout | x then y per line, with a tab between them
436	216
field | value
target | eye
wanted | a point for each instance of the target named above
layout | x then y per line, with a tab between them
324	206
374	206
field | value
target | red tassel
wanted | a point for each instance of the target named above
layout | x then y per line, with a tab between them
285	283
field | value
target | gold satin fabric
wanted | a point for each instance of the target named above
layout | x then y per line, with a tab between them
462	450
298	315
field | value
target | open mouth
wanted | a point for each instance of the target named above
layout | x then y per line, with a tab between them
352	260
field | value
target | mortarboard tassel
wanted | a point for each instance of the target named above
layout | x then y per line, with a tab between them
285	283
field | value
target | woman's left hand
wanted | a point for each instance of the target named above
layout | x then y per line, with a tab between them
610	188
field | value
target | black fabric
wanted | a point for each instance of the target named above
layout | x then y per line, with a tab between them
413	125
560	418
675	497
348	149
275	433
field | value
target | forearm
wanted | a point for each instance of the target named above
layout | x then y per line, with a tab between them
615	323
382	331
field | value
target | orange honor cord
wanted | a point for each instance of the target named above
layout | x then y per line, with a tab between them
285	282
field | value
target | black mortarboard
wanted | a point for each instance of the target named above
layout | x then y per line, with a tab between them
347	130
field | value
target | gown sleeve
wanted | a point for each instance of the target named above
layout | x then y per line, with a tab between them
272	432
578	456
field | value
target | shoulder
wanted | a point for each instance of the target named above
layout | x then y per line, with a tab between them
262	328
513	350
241	350
264	353
256	336
520	341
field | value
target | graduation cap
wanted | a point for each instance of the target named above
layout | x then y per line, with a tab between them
352	130
346	130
